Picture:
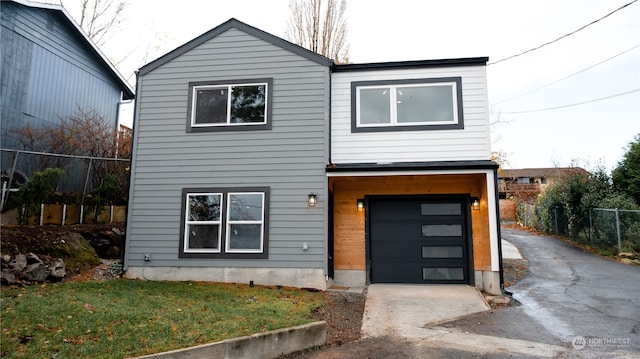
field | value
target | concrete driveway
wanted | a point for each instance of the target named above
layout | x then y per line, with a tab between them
401	310
574	304
406	310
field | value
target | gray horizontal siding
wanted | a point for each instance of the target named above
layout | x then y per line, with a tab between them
290	158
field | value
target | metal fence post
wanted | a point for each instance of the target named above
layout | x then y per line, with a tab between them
86	181
555	210
13	171
590	227
618	229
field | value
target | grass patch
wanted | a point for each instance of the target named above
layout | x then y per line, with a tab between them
120	318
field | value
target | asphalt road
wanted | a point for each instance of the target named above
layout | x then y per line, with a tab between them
574	304
578	297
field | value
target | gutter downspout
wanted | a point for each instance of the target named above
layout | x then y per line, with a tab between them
495	186
326	179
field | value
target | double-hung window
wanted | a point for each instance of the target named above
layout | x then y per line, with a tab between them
225	223
229	105
415	104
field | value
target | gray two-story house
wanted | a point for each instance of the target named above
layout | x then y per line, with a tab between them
258	161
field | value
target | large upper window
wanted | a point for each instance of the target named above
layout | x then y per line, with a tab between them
216	106
407	104
225	223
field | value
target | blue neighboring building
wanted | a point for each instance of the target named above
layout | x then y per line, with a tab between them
50	67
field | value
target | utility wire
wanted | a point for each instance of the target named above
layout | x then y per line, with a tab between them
566	77
563	36
573	104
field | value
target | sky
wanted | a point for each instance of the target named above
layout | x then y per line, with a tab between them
523	91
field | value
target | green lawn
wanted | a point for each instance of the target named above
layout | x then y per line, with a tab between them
120	318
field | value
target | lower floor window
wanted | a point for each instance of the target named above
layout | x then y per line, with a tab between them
224	222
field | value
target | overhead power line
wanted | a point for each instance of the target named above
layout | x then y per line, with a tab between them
566	77
573	104
563	36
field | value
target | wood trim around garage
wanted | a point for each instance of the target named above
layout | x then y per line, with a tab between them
349	224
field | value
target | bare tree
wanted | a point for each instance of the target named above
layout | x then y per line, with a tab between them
98	17
500	157
320	26
86	133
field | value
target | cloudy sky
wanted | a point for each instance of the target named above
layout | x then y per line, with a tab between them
576	99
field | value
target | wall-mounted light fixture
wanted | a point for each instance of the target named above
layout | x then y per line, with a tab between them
360	204
475	203
313	200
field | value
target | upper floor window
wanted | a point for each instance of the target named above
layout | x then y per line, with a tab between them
415	104
229	105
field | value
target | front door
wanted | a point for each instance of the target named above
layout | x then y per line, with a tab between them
419	240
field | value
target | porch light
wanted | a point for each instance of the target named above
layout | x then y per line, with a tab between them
313	200
360	204
475	203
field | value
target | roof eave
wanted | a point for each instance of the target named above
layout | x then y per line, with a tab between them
468	61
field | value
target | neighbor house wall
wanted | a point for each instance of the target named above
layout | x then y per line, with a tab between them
290	158
471	143
48	72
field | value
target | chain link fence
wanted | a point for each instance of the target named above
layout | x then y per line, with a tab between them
82	173
612	227
603	227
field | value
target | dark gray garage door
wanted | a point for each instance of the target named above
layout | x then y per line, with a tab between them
419	241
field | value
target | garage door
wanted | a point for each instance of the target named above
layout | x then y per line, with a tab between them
419	241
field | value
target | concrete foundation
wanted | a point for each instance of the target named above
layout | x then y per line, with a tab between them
291	277
350	278
488	282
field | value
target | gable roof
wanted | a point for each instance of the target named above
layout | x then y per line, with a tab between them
553	172
127	90
236	24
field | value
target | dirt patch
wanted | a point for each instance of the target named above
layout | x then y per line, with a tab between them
343	313
514	270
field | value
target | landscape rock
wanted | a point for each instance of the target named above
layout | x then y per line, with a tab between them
19	263
32	268
630	261
7	277
627	255
5	259
57	270
117	231
37	272
32	258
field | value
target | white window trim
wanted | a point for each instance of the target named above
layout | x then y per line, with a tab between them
229	88
394	109
187	222
229	222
